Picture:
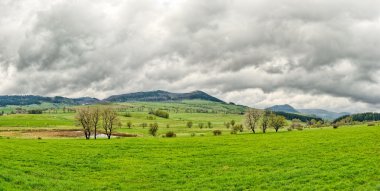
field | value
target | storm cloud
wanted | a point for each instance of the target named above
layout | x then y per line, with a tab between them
311	54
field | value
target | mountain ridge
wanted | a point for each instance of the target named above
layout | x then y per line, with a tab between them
321	113
157	95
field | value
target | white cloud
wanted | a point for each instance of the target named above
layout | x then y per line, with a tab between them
320	54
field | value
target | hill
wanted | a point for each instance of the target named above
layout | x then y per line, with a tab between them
159	95
324	114
152	96
283	108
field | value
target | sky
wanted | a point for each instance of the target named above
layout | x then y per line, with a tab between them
307	53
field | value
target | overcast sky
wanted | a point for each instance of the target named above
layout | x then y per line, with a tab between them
307	53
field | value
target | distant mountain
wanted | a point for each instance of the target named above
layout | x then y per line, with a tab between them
86	100
131	97
324	114
32	99
283	108
160	95
319	113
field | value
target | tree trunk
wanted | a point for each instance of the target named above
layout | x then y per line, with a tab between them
95	133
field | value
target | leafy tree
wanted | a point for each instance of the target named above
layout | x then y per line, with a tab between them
153	129
209	125
277	121
232	122
129	124
228	124
189	124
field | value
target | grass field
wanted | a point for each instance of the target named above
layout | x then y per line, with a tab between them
322	159
180	114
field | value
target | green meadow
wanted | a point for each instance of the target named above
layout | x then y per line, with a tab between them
346	158
319	159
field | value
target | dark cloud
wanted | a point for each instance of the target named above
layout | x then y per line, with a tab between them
307	53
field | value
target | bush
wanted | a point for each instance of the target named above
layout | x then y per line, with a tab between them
217	132
290	129
35	111
189	124
335	126
128	114
299	128
160	113
371	124
150	118
192	134
170	134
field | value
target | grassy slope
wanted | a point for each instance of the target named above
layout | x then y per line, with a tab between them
177	121
328	159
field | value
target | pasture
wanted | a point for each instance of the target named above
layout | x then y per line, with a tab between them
319	159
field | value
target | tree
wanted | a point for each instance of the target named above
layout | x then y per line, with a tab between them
110	120
129	124
83	116
252	117
232	123
209	125
228	125
153	129
296	123
265	120
277	121
95	115
189	124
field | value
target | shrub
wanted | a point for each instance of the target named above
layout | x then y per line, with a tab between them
200	125
150	118
128	114
290	129
160	113
129	124
39	138
335	126
192	134
35	111
143	125
189	124
217	132
299	128
170	134
370	124
209	125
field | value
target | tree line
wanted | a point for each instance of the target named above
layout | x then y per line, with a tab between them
360	117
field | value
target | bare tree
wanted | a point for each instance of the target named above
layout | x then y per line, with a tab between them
95	116
83	116
110	120
252	117
277	121
265	120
